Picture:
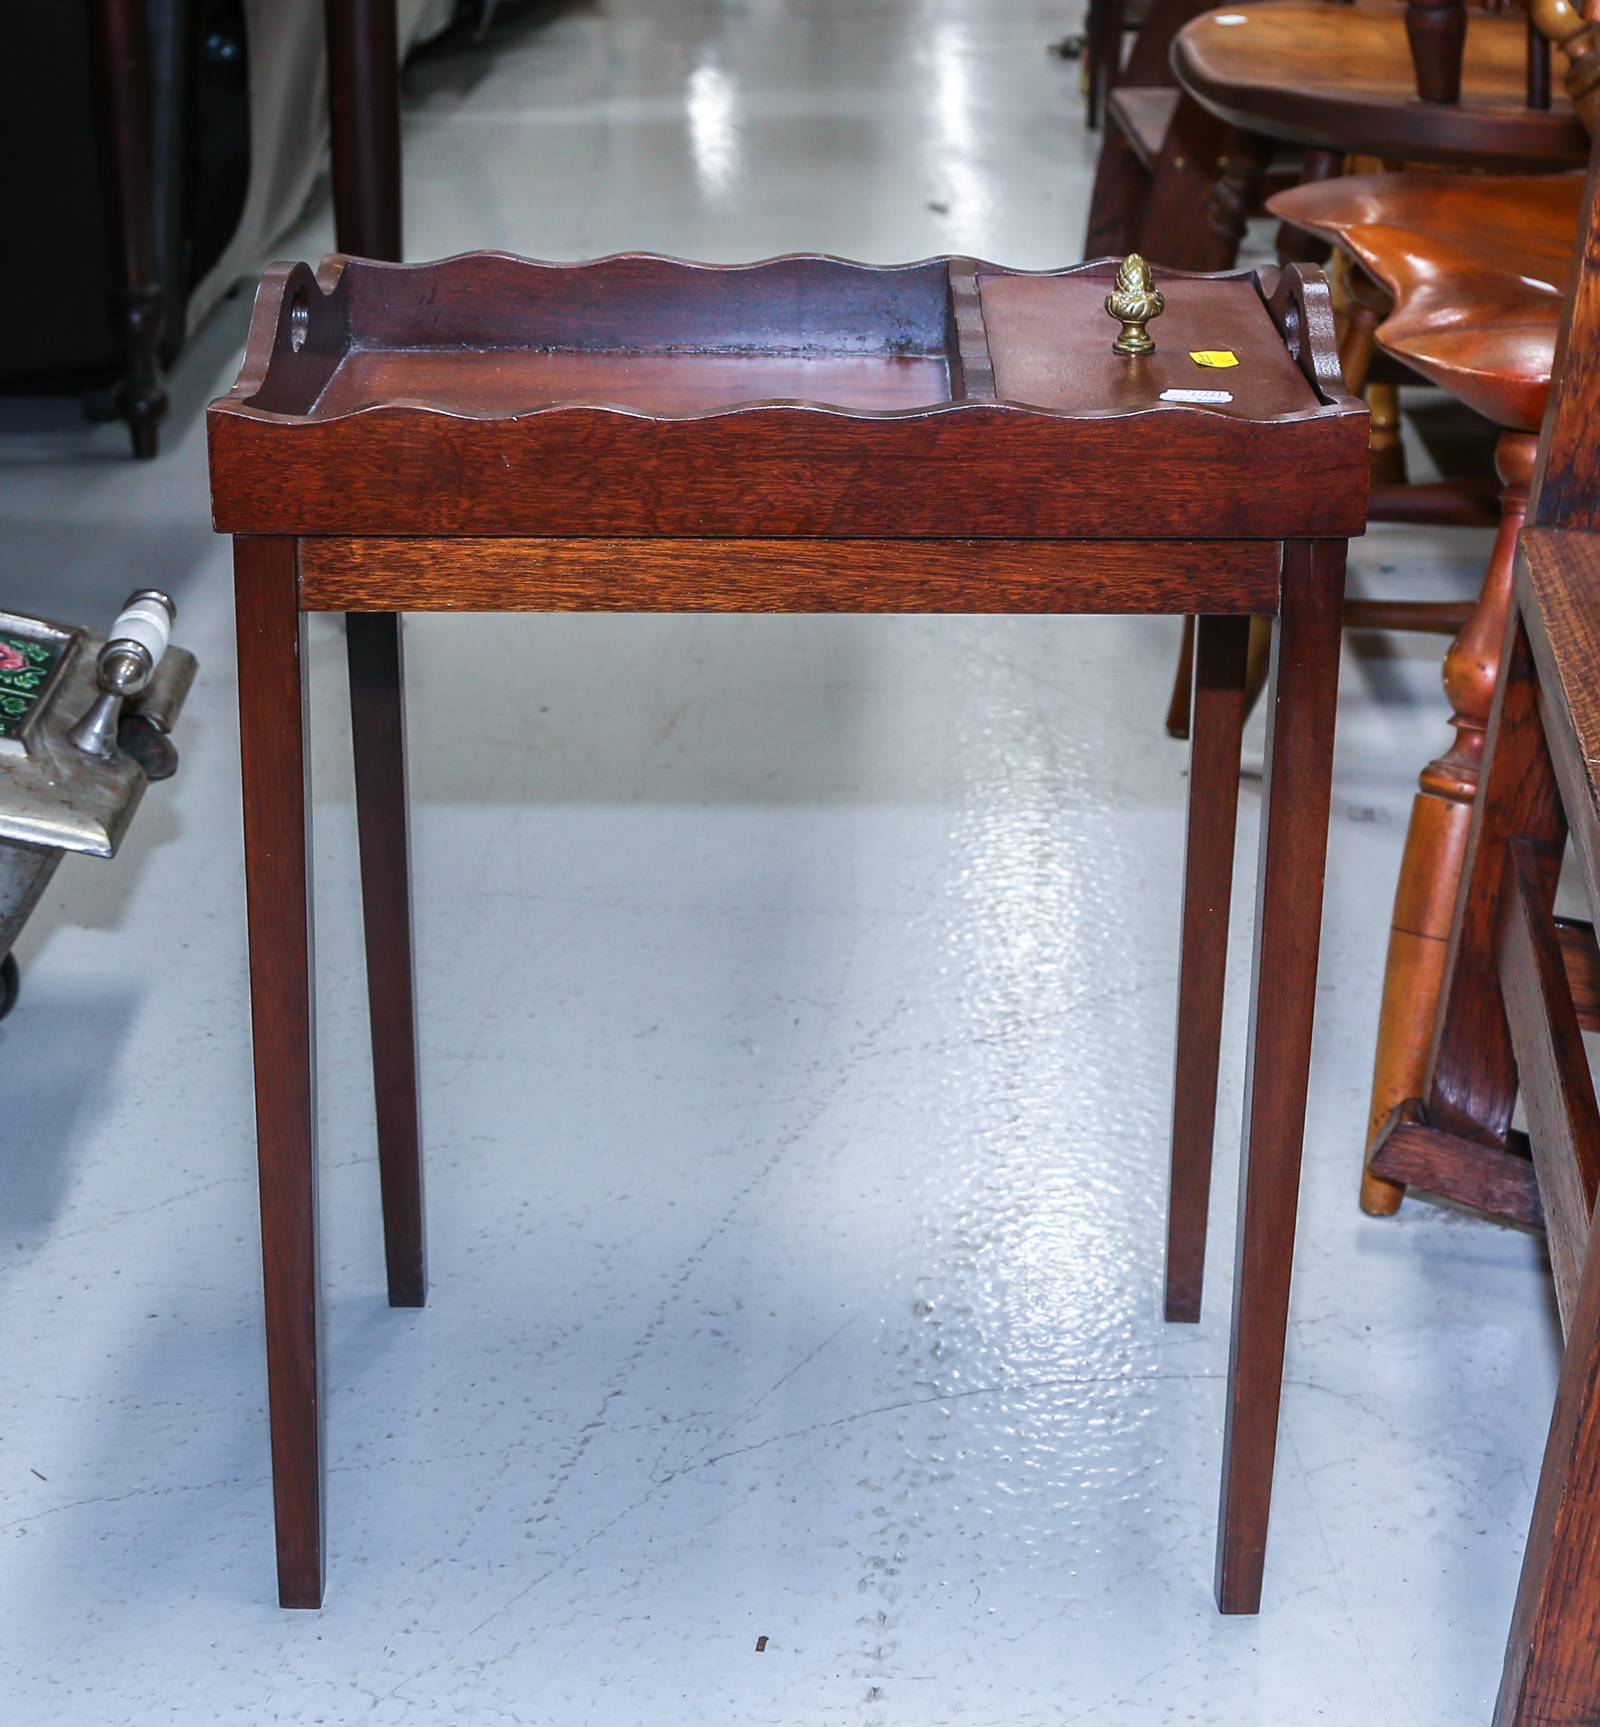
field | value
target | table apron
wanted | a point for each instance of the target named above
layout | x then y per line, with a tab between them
1219	577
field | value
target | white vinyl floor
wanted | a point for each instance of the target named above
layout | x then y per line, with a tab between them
797	998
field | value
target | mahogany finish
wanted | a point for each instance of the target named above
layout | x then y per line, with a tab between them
505	574
968	467
378	732
1221	647
1477	266
277	818
1294	838
1043	475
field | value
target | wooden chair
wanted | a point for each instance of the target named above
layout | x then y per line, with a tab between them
1519	989
1375	78
1420	84
1477	268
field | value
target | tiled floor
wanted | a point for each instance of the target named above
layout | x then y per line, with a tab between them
797	998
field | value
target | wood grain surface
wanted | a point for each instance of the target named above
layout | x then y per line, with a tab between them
521	380
1293	851
1552	1670
1322	75
1478	267
1558	574
1037	327
1490	1179
1552	1070
1217	713
538	575
378	736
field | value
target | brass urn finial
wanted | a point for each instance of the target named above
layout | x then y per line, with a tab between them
1135	301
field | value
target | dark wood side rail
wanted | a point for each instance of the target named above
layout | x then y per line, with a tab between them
1552	1069
511	574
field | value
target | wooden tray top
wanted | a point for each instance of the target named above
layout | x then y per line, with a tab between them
801	396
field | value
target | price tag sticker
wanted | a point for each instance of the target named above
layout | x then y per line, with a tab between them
1201	398
1218	357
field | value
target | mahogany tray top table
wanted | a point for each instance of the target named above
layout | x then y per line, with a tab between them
801	435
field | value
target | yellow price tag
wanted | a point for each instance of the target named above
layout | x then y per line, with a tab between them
1215	357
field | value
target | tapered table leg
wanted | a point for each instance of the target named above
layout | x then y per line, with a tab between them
1221	656
278	903
1294	840
377	711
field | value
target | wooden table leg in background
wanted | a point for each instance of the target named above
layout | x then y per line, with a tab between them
1294	843
377	711
364	118
278	901
120	61
1222	648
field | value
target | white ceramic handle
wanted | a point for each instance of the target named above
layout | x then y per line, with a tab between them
147	621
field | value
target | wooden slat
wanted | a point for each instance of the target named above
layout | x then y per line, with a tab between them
1580	954
1144	117
1430	617
1484	1177
971	357
1558	581
539	575
1557	1092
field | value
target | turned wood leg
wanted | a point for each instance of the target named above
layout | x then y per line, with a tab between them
120	58
1221	654
1437	30
1436	839
1235	196
1294	838
1471	1082
1386	454
1296	245
278	903
378	730
1363	305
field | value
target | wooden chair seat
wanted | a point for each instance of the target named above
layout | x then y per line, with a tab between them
1478	268
1316	72
1144	117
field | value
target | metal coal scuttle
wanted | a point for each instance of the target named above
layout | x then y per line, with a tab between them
85	725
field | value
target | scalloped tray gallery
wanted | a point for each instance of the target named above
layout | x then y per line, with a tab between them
639	395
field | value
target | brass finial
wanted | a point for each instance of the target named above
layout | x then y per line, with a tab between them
1135	301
